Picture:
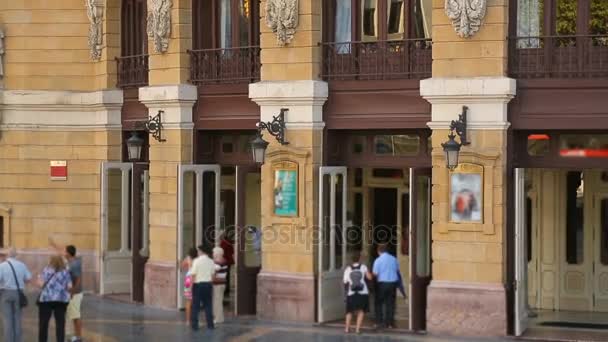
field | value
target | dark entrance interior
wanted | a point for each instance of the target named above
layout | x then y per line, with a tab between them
384	220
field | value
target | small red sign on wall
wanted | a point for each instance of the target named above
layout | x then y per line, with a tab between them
59	170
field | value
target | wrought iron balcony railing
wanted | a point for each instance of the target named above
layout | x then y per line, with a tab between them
132	71
221	66
559	56
379	60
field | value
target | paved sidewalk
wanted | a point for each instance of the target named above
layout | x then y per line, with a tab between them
110	321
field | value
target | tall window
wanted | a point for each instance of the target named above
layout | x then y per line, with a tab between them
224	24
133	28
378	19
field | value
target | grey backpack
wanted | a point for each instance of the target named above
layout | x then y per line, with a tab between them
356	279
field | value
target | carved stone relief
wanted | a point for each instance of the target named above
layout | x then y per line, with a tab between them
282	18
466	15
95	15
159	24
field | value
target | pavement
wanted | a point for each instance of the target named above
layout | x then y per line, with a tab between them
106	320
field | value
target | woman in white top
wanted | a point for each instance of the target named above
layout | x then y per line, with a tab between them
357	293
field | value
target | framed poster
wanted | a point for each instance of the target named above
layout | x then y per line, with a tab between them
285	189
466	194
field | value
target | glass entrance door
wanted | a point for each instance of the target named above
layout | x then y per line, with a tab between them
116	228
198	194
332	242
420	245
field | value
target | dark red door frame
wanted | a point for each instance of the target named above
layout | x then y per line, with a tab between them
137	234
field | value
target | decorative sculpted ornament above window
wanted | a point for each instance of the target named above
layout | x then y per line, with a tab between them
159	24
95	15
282	18
466	15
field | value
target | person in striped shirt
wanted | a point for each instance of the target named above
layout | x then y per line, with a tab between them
219	283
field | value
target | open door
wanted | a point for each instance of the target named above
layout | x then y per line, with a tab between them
332	242
115	228
521	268
420	245
140	238
249	237
197	185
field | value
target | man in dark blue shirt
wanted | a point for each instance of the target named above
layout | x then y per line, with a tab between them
386	270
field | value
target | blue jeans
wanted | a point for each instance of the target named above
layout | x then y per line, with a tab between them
11	315
202	295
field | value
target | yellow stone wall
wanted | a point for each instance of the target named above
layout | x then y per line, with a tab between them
173	67
288	242
164	159
47	47
470	252
299	60
68	209
484	54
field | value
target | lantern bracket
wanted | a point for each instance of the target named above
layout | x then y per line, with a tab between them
460	127
276	127
153	126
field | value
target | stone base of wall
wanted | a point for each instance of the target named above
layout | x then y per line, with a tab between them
160	287
286	297
37	259
466	309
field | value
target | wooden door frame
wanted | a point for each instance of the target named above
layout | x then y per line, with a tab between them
138	230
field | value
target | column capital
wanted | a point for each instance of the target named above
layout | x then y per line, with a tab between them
175	100
486	98
304	99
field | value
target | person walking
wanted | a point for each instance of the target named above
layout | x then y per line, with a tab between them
385	270
227	245
219	284
13	276
187	267
357	293
203	271
74	266
55	283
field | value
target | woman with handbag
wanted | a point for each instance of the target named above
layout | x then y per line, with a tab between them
55	282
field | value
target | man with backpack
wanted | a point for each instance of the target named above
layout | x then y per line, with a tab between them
357	293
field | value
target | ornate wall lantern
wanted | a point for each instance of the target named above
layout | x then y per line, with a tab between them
451	148
153	126
276	128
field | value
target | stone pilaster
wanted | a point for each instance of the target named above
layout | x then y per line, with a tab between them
467	295
286	284
161	270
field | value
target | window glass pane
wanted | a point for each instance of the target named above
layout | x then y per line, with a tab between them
604	230
253	233
325	230
114	209
339	223
225	25
395	16
354	235
343	20
244	15
529	23
405	224
358	145
574	217
422	13
397	145
358	177
538	144
387	173
565	22
188	198
369	14
529	228
584	145
598	22
423	238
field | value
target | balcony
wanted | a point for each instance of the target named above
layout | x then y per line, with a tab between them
573	56
225	66
379	60
132	71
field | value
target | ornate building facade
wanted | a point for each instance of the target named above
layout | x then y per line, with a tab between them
369	89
